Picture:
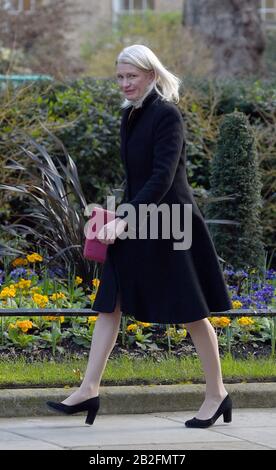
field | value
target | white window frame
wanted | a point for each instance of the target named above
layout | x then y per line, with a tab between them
118	10
16	7
264	10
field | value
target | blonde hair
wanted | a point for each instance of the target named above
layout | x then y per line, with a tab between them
165	83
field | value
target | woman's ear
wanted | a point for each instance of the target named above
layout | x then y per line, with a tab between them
152	75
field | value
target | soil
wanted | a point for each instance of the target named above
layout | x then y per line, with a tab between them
74	351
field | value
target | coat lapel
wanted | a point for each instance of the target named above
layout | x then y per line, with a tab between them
127	126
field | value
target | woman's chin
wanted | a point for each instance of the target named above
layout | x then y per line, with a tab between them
130	96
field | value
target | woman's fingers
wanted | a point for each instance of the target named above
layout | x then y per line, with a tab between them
107	233
110	231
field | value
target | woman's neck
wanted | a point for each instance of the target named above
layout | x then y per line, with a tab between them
138	103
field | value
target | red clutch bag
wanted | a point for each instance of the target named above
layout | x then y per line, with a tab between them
94	249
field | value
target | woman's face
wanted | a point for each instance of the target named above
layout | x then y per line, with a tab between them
133	81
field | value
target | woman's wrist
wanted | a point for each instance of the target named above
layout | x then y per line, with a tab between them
119	220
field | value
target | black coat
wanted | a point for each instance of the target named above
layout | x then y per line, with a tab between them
156	283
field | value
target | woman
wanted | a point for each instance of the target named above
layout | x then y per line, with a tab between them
144	277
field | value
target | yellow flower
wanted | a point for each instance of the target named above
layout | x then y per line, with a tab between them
245	321
92	297
41	304
143	324
174	333
19	262
170	331
12	286
24	325
53	318
33	257
8	292
132	327
11	326
40	300
57	296
92	319
220	322
96	282
78	280
213	320
224	321
236	304
24	284
34	289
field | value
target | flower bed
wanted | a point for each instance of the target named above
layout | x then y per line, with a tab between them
26	283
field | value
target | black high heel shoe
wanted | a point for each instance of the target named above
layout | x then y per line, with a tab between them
91	405
224	409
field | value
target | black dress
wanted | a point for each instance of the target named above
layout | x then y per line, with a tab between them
156	283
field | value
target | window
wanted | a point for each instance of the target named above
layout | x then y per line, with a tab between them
137	5
14	7
268	10
126	7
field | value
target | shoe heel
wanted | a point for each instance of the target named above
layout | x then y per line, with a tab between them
227	416
91	415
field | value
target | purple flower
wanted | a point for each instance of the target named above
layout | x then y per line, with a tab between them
241	273
18	273
2	277
229	272
255	286
245	300
271	274
264	294
56	272
231	287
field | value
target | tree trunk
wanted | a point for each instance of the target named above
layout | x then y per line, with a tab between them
233	29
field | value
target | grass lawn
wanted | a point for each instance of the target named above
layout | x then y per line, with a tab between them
128	371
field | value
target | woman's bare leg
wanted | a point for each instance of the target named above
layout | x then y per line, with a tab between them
205	341
103	341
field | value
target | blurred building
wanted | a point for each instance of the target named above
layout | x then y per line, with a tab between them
109	10
268	12
94	14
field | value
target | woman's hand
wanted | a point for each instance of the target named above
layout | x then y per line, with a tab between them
109	232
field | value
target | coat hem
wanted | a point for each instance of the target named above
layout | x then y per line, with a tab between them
156	321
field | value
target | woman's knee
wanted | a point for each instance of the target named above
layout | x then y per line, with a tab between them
190	326
116	311
118	306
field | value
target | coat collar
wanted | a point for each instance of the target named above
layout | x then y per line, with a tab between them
150	98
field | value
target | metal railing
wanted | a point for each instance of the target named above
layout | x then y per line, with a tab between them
74	312
18	80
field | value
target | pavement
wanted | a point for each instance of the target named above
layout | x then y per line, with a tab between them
139	417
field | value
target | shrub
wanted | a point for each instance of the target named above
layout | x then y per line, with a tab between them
203	103
235	173
85	115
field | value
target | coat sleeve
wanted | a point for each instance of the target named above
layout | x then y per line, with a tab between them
168	140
